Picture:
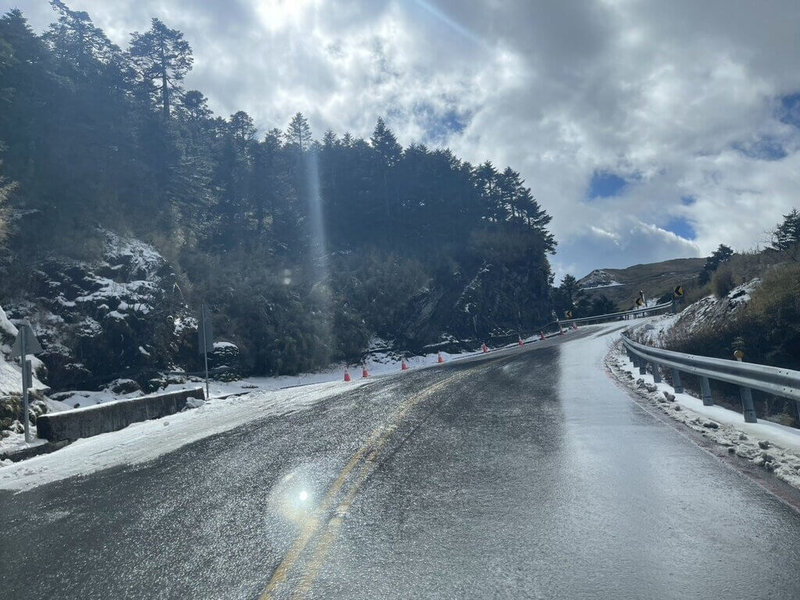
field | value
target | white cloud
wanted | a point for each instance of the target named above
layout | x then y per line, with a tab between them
661	93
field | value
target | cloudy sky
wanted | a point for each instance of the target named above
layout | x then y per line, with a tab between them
648	129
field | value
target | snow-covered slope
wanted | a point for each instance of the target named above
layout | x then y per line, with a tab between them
708	312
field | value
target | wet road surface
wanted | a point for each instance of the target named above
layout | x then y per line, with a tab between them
524	474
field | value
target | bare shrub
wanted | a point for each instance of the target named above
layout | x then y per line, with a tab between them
723	281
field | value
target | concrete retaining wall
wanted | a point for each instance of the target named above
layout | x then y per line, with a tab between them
93	420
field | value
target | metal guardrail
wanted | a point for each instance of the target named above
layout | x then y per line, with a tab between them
645	311
772	380
554	328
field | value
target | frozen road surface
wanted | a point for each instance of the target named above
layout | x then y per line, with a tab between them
526	473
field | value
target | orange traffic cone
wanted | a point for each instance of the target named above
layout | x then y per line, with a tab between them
484	348
346	375
519	342
440	359
403	365
541	335
364	372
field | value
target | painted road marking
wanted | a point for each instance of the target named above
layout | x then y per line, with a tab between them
313	523
367	455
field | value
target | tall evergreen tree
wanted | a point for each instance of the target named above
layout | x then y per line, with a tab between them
385	144
163	58
78	42
242	127
787	234
299	132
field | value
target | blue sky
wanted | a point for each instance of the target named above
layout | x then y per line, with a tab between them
605	185
681	226
649	130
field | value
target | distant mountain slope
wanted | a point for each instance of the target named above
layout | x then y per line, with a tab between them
656	279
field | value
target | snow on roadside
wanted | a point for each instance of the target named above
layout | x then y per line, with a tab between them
772	446
145	441
379	362
233	404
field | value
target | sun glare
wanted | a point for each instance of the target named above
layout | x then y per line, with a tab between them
279	14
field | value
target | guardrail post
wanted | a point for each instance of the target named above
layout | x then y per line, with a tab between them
705	389
642	366
745	393
656	374
676	381
748	409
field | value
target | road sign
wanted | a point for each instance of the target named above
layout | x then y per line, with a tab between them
26	343
31	344
27	374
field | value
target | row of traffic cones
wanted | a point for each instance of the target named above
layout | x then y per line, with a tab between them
440	358
364	373
404	364
403	367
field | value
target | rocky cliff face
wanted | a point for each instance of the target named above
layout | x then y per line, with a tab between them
120	317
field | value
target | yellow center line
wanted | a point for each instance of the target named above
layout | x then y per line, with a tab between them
331	531
313	523
368	453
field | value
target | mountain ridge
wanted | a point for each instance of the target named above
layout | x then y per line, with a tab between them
622	286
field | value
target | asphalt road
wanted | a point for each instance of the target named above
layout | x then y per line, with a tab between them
523	474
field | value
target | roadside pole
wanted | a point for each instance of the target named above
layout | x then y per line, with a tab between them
206	340
23	360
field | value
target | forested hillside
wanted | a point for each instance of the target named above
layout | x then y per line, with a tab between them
304	245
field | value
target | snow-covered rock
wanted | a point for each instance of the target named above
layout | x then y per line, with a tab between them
115	318
598	279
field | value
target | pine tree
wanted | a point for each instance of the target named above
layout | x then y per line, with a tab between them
195	106
76	41
242	127
163	58
787	234
299	132
385	144
721	255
